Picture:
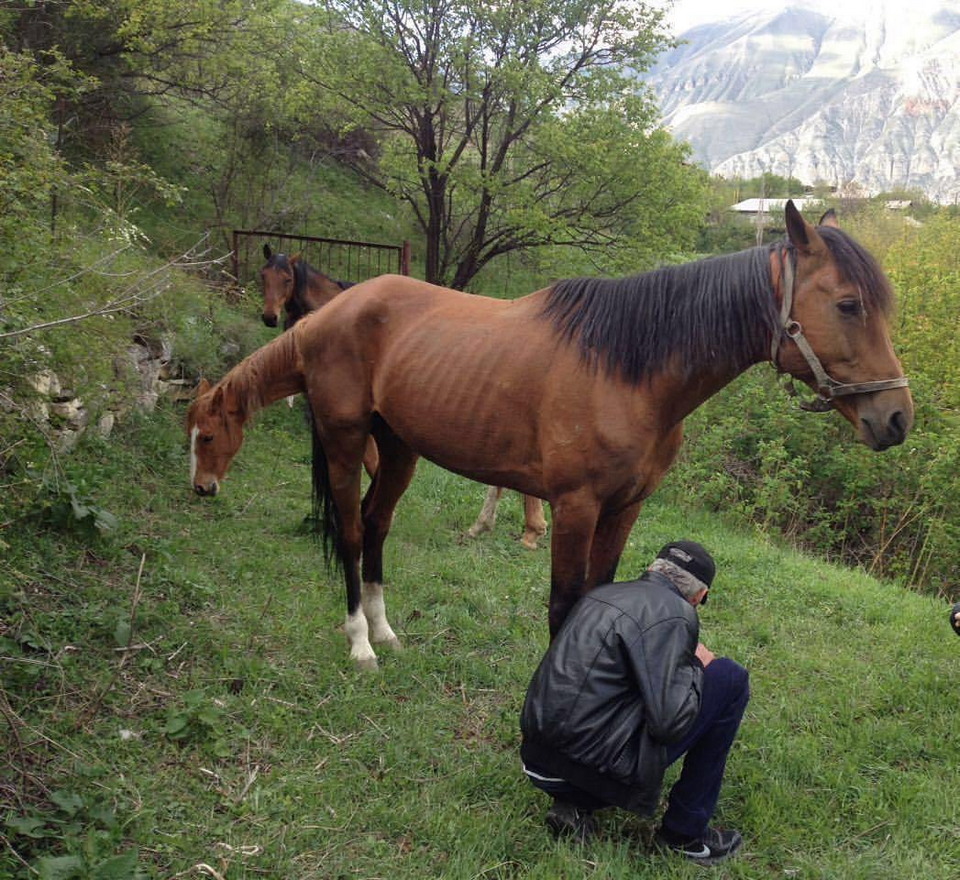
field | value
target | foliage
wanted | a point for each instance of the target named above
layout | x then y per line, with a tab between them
924	264
510	126
751	453
54	361
31	170
91	828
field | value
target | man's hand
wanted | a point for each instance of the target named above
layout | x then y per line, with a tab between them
705	655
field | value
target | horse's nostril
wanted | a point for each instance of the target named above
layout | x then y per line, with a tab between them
898	424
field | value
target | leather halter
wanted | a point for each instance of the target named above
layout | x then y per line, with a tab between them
828	388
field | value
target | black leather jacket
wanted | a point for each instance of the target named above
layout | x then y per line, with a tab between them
619	682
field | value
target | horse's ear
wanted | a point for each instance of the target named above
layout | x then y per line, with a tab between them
267	253
803	235
829	218
295	258
224	403
202	388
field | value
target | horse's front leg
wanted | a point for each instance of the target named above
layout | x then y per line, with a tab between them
574	523
371	457
608	542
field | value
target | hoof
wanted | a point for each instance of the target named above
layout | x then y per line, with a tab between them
368	664
529	540
392	643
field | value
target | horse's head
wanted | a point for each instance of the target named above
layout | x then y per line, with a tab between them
277	284
835	334
215	433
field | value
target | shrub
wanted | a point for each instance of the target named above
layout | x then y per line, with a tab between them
752	455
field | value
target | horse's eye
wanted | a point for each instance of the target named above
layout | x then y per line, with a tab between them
849	307
206	438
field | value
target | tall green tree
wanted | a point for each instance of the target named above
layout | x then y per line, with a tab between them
195	88
508	126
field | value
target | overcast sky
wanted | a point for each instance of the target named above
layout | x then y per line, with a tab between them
687	13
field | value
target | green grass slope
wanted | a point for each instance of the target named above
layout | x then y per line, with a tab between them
177	699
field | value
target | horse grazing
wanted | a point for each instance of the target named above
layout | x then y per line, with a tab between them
294	286
420	368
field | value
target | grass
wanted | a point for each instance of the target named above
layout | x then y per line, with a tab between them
178	701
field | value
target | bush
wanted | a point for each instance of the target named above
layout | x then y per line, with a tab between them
752	454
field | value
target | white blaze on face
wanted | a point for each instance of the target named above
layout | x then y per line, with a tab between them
193	454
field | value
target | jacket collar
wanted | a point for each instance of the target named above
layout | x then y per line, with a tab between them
660	579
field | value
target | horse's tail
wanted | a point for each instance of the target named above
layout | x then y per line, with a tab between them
324	516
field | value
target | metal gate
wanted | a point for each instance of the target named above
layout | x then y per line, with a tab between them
341	259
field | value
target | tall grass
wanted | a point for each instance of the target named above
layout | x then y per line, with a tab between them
177	699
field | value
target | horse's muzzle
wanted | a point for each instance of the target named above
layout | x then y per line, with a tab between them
210	489
269	320
892	433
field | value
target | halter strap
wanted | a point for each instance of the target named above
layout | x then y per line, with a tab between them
828	388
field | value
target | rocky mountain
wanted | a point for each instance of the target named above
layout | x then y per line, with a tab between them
869	102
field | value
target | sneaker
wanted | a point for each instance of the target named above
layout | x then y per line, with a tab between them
715	845
566	820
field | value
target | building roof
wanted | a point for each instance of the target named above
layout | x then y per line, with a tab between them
768	206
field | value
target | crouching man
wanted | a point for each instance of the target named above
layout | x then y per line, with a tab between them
625	689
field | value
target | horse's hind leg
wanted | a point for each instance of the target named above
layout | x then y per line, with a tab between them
394	473
534	522
337	462
488	513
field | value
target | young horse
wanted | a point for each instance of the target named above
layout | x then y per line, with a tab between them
293	285
420	368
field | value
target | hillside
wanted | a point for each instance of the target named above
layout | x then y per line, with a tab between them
178	699
814	93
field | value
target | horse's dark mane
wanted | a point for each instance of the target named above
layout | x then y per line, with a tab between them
717	311
296	307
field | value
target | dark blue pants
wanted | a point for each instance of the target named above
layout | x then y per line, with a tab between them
693	798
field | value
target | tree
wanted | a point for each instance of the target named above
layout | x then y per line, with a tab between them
508	125
30	166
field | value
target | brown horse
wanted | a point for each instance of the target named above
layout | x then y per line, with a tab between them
421	369
293	286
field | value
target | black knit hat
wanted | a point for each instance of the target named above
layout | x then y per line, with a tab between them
692	558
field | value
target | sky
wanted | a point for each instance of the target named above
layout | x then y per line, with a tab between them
686	13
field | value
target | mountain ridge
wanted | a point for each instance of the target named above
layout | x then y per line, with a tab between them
869	104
